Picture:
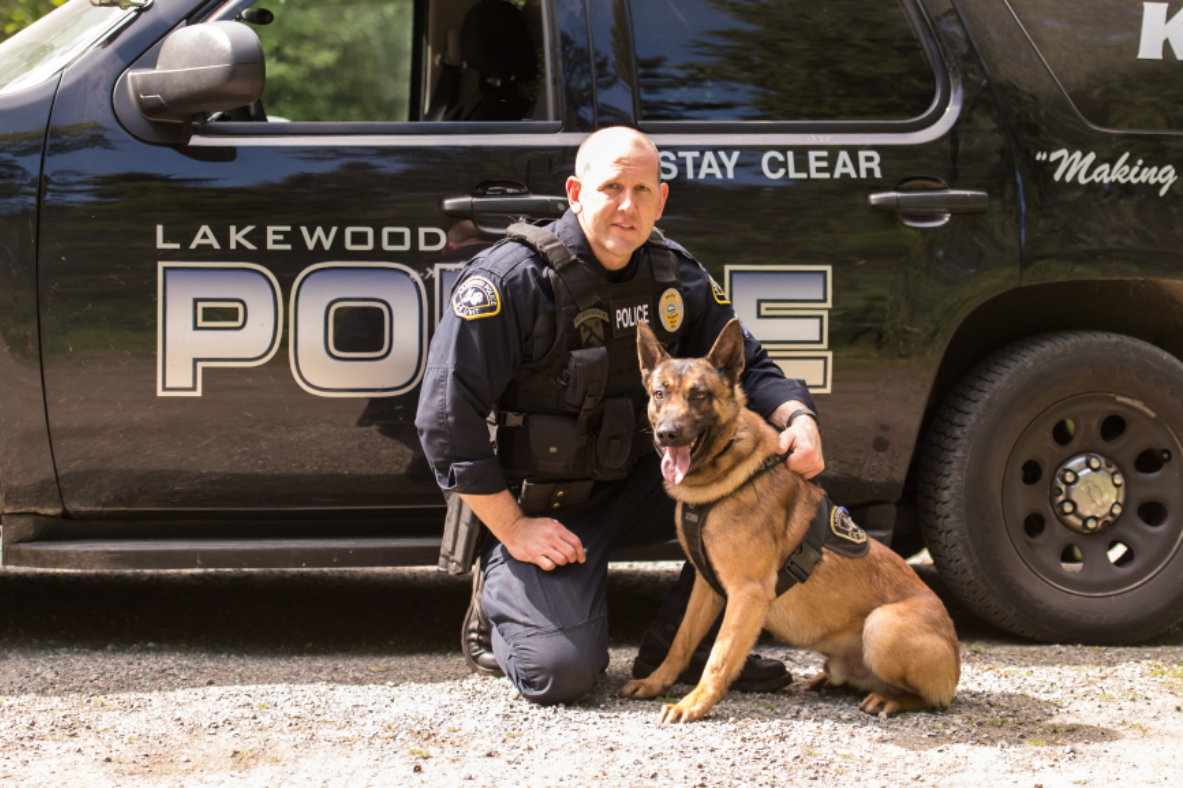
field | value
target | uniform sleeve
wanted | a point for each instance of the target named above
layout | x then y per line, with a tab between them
468	367
763	382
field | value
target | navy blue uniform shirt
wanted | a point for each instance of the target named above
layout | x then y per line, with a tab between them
472	361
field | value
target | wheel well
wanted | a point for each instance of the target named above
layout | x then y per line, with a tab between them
1147	309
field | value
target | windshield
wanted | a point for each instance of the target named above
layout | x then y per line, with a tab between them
50	44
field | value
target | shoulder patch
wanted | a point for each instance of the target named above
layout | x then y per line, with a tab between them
476	297
844	528
717	292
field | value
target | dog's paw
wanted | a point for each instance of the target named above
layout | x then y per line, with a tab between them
641	689
880	704
681	712
820	682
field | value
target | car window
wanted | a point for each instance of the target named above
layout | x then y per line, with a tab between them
387	61
338	60
785	60
1116	61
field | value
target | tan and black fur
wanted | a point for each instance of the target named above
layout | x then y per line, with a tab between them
881	630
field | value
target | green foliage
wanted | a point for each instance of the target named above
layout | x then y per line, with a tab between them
338	60
16	15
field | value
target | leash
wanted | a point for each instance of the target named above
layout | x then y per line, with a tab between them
831	527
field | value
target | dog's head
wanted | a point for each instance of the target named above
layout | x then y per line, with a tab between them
692	401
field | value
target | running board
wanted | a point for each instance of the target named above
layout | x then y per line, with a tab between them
110	554
106	554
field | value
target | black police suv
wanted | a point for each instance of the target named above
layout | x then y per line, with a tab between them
227	232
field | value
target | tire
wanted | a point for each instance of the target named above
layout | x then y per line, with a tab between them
1017	438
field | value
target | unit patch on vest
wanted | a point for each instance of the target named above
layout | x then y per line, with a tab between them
717	292
627	313
670	308
593	327
477	297
844	528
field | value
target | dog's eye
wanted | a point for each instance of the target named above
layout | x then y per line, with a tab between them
698	395
659	394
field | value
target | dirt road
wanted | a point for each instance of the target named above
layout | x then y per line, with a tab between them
353	678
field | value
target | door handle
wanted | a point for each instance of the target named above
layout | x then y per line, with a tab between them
468	206
930	201
928	207
494	213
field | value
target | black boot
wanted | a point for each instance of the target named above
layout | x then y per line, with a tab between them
758	675
476	638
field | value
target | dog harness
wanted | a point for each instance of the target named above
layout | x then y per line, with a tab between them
831	528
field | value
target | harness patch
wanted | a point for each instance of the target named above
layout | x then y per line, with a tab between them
671	309
476	298
844	528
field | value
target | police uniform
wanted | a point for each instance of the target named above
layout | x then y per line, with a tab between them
542	351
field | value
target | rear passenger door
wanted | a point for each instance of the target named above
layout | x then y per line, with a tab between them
842	170
240	322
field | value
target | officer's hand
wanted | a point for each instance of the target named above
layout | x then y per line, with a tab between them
805	443
543	541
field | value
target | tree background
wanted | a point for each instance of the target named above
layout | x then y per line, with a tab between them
16	15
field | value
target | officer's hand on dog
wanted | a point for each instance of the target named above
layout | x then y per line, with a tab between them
802	439
543	541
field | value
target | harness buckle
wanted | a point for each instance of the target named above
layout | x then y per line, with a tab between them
801	563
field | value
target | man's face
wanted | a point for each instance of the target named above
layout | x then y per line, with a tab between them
618	200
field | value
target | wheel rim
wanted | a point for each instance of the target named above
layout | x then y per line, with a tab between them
1095	450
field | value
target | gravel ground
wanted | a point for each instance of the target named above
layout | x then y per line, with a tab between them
350	678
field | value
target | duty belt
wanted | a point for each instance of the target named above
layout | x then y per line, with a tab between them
831	527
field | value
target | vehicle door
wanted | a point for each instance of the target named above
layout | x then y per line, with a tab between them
843	172
239	321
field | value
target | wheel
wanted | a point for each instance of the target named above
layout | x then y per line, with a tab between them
1050	489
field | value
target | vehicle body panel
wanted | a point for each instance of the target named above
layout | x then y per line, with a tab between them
26	461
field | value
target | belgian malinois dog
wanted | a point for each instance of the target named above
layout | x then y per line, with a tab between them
881	630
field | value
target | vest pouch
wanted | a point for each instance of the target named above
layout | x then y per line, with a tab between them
553	444
615	440
585	377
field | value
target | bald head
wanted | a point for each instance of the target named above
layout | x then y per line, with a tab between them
617	193
610	144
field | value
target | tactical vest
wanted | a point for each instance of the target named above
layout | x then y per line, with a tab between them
575	412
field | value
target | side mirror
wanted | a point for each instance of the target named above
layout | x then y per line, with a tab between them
204	68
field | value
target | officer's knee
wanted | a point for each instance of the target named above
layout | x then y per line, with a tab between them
560	666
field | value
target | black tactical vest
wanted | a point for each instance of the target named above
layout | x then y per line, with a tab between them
574	413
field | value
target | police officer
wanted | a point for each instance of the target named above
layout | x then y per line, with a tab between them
539	344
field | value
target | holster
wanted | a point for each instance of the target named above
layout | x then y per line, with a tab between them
464	535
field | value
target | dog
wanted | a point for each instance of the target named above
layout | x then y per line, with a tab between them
881	630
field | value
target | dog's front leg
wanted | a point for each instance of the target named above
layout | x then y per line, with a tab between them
701	611
742	622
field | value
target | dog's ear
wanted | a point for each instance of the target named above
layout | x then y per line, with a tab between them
649	351
727	354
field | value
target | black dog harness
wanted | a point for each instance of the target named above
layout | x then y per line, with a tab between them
831	528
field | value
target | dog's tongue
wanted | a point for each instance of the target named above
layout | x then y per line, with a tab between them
674	464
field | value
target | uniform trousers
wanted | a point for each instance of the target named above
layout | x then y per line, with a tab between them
550	629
